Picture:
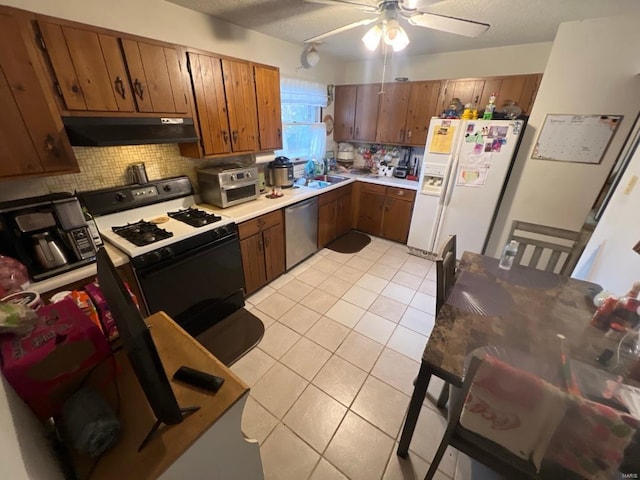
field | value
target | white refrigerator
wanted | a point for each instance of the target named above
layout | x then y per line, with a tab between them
465	168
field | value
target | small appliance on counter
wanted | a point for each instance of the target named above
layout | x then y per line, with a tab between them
48	234
281	173
229	185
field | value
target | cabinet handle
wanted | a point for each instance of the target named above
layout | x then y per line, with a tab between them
261	223
409	133
279	133
357	131
266	242
225	136
350	130
138	88
75	88
235	136
400	193
401	134
260	245
51	146
119	84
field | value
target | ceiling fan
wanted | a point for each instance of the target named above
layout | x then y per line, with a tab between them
388	29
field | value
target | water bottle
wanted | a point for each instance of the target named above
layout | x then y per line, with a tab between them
508	254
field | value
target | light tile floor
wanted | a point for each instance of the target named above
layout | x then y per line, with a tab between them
332	377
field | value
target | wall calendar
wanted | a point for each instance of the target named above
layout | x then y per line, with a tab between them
575	138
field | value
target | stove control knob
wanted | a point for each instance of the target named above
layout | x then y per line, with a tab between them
120	197
154	256
167	188
248	174
232	177
166	252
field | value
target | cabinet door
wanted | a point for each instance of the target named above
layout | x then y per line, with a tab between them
156	77
424	104
326	224
241	105
392	113
370	213
344	112
211	106
253	265
366	115
343	214
397	217
468	91
89	68
267	81
32	138
274	254
528	92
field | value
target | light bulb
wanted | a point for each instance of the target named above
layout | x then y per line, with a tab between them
394	35
313	57
371	39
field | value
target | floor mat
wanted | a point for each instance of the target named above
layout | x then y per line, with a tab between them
351	242
234	336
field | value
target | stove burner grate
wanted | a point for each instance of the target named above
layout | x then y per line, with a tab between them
194	217
142	233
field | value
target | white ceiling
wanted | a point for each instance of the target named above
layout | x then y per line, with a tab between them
512	21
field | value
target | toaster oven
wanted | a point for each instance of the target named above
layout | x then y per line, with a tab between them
228	185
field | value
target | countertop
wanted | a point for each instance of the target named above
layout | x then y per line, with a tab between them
240	213
247	211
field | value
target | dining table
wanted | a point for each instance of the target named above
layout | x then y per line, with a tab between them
525	309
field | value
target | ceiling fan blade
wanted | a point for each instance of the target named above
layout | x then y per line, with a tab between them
459	26
344	28
416	5
345	3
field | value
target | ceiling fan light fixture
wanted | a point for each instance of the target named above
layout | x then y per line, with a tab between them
395	36
371	39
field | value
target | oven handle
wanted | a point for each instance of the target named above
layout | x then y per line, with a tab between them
239	185
201	250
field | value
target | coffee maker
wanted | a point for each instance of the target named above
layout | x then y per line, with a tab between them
48	234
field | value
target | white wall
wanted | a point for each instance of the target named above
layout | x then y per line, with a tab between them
24	455
171	23
592	69
614	265
486	62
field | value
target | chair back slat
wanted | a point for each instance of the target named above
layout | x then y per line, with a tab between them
552	249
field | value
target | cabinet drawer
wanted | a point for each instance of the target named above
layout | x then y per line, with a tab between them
251	227
401	194
373	189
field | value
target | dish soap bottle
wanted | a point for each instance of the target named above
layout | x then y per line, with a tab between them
490	108
508	254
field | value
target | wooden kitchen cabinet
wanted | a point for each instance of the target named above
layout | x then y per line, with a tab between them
385	211
226	106
520	89
262	250
156	77
424	103
32	137
392	113
267	83
334	214
355	112
468	91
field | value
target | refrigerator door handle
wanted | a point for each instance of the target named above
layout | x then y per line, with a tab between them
445	187
451	180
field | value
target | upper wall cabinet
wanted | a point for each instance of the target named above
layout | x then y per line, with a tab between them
97	71
156	77
356	112
32	138
392	113
423	104
521	89
226	106
267	80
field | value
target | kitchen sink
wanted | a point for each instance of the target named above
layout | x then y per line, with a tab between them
322	181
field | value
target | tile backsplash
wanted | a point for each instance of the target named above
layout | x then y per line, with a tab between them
102	167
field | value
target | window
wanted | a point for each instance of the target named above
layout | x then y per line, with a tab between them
304	134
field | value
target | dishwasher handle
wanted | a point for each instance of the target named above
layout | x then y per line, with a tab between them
303	204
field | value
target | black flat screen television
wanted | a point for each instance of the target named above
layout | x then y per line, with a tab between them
138	345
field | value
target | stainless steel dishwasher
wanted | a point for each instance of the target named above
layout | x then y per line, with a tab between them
301	230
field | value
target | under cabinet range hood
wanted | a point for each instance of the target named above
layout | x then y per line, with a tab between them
111	131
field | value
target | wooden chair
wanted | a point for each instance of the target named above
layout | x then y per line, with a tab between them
561	248
445	279
484	450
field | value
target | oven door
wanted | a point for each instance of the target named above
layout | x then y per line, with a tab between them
239	193
198	288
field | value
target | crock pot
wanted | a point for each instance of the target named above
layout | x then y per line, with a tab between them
281	172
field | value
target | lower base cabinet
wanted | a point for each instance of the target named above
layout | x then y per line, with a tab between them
262	249
334	214
384	211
